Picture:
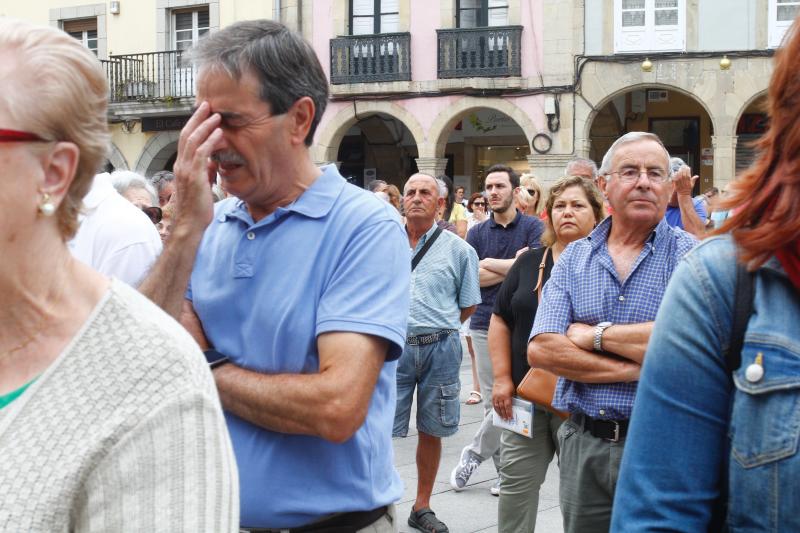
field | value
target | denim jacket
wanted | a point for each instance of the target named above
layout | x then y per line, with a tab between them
690	420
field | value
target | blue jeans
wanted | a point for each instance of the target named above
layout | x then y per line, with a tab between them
433	369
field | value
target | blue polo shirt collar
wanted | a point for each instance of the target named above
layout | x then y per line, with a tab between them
494	224
316	202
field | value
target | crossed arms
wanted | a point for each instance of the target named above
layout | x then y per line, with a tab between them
572	355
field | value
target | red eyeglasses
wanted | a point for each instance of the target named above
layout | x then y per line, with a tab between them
11	136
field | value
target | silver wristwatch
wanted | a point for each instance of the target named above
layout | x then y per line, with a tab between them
598	335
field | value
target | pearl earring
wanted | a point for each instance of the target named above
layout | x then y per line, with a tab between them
46	207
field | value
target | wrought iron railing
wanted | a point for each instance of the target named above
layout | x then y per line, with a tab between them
371	58
479	52
149	76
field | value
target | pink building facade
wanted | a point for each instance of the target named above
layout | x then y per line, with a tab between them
454	87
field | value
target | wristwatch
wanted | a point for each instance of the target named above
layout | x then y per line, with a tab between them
598	335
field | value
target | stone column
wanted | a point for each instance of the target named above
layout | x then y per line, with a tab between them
434	166
548	167
724	159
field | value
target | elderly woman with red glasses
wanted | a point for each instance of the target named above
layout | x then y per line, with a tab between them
109	418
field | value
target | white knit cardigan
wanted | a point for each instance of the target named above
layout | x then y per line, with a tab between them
123	432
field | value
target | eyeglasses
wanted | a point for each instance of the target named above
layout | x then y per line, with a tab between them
479	203
153	213
631	174
11	136
532	192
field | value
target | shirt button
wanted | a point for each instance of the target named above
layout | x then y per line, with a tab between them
621	298
602	412
251	235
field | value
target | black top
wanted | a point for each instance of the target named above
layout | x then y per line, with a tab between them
517	303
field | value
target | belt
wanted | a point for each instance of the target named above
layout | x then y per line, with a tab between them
610	430
430	338
338	523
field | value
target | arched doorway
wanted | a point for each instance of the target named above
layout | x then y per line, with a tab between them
682	123
159	153
481	138
377	146
751	126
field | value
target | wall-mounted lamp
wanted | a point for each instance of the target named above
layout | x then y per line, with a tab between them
647	65
114	7
724	63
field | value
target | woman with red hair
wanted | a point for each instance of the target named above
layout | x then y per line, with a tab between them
714	445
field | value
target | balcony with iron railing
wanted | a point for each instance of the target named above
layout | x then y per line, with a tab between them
149	77
371	58
479	52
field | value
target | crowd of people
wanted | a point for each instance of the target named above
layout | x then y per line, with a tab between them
232	345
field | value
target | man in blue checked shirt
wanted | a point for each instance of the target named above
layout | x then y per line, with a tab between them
595	320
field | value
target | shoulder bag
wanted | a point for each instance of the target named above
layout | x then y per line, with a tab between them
539	386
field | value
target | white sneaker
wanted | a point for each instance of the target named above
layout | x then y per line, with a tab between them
467	465
495	489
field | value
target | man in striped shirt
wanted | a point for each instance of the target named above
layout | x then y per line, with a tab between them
444	293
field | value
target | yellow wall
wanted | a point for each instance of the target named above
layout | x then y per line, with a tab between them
133	31
35	10
130	144
231	11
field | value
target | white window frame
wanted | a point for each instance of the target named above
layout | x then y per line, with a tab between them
379	11
59	16
649	38
84	40
195	27
164	22
777	29
183	77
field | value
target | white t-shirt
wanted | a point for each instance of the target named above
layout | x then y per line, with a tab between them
115	237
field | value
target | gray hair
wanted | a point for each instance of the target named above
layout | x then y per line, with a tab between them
122	180
442	187
439	183
160	179
675	164
284	63
633	136
581	161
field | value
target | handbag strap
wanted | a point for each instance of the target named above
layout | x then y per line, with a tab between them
538	287
419	255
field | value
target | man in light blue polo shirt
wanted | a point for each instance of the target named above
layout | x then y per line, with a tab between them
683	211
300	279
444	293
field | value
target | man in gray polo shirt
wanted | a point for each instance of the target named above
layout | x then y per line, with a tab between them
444	293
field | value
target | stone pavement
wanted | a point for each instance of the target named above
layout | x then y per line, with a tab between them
473	509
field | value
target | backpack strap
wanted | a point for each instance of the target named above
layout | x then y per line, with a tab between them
744	292
742	309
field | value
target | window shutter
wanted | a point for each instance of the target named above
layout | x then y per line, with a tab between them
630	25
649	25
81	25
781	16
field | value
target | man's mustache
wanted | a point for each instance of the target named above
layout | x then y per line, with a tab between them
227	158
